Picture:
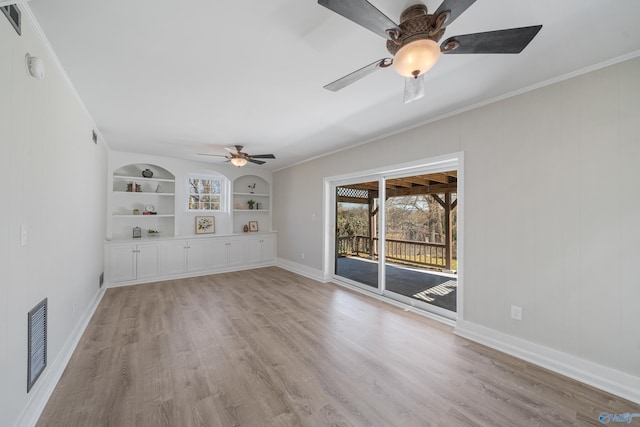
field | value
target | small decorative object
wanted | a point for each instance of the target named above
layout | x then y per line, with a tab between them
252	188
257	206
147	173
158	189
136	211
153	233
250	203
150	208
238	206
132	187
245	228
253	225
137	232
205	225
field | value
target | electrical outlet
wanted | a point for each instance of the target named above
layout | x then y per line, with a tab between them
516	312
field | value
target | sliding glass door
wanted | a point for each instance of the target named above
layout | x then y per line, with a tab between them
356	242
396	235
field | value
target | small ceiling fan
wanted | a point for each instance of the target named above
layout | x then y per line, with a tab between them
414	42
239	159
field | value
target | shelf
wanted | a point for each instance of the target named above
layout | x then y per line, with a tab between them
251	194
144	192
142	216
251	210
142	179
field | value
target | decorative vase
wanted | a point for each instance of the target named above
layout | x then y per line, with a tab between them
147	173
245	228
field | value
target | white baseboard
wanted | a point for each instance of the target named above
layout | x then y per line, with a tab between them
303	270
599	376
47	382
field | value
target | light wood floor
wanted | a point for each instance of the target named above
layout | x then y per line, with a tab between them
270	348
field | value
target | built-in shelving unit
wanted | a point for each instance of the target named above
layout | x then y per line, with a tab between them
251	187
145	202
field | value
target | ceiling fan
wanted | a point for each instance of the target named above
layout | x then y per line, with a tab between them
239	158
414	42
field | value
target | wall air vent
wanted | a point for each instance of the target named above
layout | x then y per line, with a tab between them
37	357
13	15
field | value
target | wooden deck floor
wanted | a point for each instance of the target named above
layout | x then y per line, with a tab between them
267	347
420	284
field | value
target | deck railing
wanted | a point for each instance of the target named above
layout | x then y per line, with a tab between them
401	251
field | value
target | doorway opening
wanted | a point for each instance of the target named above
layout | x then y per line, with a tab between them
397	235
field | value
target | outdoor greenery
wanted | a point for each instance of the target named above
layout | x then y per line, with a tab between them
412	218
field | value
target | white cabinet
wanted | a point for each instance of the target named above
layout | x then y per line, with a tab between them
186	256
228	252
129	262
199	255
261	249
173	257
165	258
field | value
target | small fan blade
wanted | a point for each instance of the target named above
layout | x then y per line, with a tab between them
362	13
455	7
513	40
263	156
257	162
413	88
358	74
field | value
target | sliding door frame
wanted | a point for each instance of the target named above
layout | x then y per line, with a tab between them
454	161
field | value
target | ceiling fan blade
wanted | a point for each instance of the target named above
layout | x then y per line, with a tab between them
455	8
263	156
213	155
362	13
513	40
413	88
257	162
358	74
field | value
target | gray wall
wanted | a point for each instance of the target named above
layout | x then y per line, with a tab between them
54	181
552	208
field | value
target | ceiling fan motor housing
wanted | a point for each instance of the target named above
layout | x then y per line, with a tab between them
416	24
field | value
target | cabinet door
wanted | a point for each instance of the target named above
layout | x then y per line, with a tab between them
268	253
148	261
219	253
173	257
198	255
235	252
254	250
122	263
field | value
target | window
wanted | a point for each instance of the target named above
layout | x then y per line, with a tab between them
13	15
205	193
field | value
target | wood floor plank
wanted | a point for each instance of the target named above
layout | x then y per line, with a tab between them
267	347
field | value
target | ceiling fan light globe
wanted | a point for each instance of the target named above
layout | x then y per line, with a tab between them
418	56
238	161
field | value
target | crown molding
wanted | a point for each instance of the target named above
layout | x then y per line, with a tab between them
10	2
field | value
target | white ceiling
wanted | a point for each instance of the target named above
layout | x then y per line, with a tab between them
177	78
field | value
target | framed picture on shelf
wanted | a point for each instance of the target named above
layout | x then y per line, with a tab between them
205	225
253	225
